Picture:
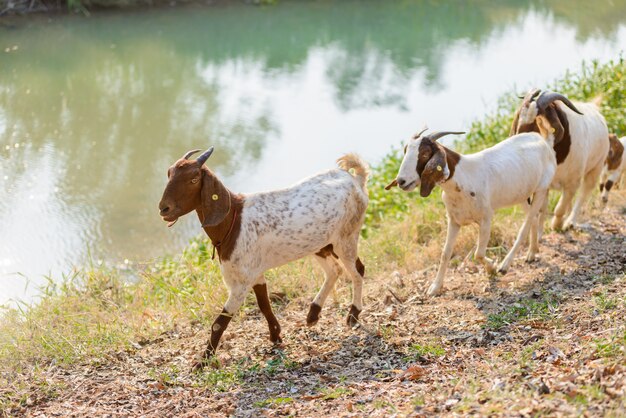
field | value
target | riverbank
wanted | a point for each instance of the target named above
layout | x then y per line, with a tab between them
24	7
545	338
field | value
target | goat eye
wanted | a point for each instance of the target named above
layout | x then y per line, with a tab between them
194	181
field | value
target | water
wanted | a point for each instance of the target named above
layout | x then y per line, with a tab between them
93	110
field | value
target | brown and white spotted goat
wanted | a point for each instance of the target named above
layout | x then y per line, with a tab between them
321	216
580	145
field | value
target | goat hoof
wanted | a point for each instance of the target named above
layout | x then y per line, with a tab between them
557	225
353	316
203	362
503	269
433	291
313	315
530	258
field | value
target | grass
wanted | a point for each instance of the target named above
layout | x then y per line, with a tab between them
525	310
95	313
613	346
335	393
427	350
604	302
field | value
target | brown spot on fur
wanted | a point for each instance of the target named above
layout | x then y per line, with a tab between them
616	152
452	159
608	185
314	314
326	251
360	267
353	316
262	298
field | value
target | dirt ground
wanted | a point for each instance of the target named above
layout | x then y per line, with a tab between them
547	338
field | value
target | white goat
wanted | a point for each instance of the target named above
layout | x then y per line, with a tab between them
581	146
614	167
321	216
518	170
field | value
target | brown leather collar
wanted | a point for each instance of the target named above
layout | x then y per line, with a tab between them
219	243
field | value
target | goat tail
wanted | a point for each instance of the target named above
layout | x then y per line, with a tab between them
597	101
356	166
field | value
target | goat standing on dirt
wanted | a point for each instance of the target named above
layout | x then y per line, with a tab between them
614	167
581	146
518	170
321	216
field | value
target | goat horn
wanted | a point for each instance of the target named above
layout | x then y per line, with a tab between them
436	135
532	93
205	155
394	183
190	153
548	97
417	135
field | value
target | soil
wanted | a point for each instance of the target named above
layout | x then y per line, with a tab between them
465	352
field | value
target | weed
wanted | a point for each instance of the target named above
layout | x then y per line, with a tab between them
336	393
604	302
544	309
427	350
273	402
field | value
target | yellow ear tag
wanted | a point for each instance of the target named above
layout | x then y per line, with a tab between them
351	171
215	197
439	168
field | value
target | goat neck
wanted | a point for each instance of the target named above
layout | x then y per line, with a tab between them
224	235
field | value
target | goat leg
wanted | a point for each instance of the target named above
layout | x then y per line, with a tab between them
217	329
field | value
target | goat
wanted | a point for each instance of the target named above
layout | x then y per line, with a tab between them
580	144
475	185
614	166
322	216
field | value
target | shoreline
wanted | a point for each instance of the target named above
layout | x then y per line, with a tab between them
26	9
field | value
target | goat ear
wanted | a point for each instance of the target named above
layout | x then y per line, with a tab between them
215	200
434	173
555	123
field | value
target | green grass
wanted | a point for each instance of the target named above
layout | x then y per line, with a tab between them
604	302
544	309
427	350
335	393
613	346
270	402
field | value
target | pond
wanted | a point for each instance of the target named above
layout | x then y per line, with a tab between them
94	109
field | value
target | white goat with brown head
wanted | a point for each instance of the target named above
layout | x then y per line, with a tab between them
581	146
321	216
518	170
614	166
